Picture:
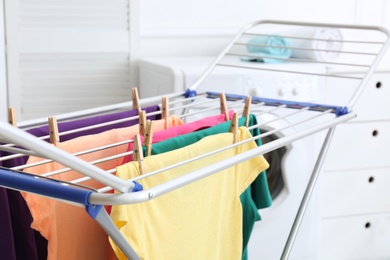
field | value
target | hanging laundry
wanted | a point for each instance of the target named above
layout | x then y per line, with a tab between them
202	220
18	240
70	232
256	196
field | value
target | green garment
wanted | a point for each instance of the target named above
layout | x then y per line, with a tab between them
256	196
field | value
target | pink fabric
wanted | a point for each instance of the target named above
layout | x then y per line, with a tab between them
181	130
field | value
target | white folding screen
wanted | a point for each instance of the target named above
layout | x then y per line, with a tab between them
66	55
3	78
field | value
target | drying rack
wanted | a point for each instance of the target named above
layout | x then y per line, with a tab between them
355	55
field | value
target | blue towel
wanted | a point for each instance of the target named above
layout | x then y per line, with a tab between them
271	49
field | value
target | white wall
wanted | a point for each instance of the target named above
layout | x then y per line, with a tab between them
184	28
202	28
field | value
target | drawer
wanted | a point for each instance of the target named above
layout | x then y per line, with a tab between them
347	193
359	146
362	237
373	104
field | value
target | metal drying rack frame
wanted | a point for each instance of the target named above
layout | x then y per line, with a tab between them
285	30
229	57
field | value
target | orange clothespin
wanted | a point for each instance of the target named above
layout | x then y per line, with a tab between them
138	154
53	131
142	122
222	100
11	116
234	127
247	109
135	98
149	137
165	110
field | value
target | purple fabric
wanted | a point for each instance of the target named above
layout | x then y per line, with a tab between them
17	239
6	234
66	126
25	242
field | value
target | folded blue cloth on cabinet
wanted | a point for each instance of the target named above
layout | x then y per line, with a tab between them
266	47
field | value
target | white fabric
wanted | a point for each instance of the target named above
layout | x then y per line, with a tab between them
322	38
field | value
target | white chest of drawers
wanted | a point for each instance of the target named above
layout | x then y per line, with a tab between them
355	185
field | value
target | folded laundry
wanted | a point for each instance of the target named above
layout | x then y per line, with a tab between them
319	44
268	49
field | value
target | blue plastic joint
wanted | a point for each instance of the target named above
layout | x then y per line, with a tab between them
93	210
137	187
189	93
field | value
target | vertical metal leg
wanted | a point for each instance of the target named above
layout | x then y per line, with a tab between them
307	195
106	223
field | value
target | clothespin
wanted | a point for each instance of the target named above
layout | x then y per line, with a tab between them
142	122
149	137
165	110
137	153
11	116
135	98
247	109
222	100
53	131
165	107
234	127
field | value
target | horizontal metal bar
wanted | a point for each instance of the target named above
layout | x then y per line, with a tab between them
312	39
99	148
94	111
295	59
14	150
288	71
306	49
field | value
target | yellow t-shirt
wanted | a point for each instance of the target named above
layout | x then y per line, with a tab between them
202	220
70	231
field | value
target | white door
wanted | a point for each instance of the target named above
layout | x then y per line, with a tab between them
67	55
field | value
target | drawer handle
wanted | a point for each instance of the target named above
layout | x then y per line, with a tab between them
367	225
375	133
371	179
378	84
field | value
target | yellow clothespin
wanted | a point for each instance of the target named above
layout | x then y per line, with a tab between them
11	116
234	127
165	110
53	131
142	122
222	100
135	98
247	109
149	137
138	154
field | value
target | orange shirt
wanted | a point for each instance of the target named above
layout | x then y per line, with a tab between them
70	231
